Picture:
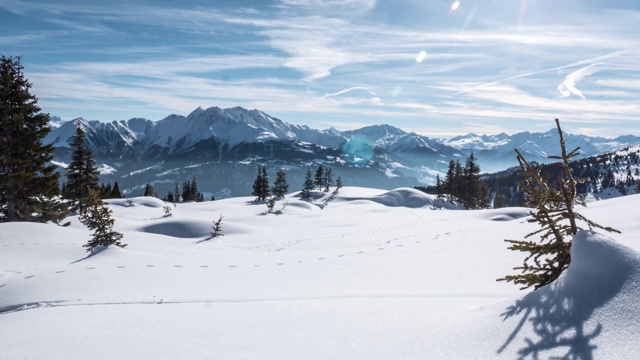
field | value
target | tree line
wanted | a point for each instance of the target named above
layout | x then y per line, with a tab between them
323	179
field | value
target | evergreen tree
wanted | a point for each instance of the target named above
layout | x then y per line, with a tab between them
555	214
82	174
148	190
216	228
280	185
470	183
176	193
97	217
261	184
338	183
264	185
328	179
449	179
29	189
439	194
257	185
319	177
308	185
186	191
457	180
115	192
170	197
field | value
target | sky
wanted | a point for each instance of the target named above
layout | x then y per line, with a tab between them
436	67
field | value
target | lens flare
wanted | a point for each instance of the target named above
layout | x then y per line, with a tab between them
358	150
421	56
454	6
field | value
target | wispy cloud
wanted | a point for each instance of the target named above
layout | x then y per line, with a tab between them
326	60
568	86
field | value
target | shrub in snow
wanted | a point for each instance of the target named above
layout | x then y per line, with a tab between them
553	204
167	209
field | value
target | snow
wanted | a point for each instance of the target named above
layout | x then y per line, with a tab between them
361	273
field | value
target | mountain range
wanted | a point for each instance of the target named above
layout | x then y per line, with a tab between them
221	148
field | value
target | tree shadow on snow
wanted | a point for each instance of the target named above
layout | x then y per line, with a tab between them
559	326
555	319
96	251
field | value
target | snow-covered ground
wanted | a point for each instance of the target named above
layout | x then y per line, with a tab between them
361	274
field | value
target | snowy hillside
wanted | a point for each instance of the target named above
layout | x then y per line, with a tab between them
359	274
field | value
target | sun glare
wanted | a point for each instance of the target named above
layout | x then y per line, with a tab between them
421	56
454	6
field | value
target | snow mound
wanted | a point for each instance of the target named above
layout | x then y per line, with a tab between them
183	228
405	197
592	307
147	201
401	197
507	214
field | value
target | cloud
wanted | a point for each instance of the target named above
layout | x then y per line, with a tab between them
568	86
346	91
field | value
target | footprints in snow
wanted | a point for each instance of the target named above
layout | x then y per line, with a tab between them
150	266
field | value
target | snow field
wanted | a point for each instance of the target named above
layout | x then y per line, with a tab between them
363	273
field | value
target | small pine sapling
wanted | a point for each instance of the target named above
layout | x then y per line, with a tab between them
216	228
271	202
167	209
97	217
554	211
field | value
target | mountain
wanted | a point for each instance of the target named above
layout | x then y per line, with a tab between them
496	152
222	148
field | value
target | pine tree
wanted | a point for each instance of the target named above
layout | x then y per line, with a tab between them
82	174
469	183
553	205
319	177
439	194
338	183
280	185
96	216
29	189
216	228
257	185
328	179
264	185
148	190
176	193
115	192
261	184
308	185
449	180
170	197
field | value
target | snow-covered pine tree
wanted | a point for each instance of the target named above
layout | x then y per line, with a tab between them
29	189
82	173
553	205
97	217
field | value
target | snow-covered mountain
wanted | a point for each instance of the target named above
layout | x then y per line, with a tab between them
223	146
496	152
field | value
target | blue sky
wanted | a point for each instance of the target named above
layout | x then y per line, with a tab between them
429	66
